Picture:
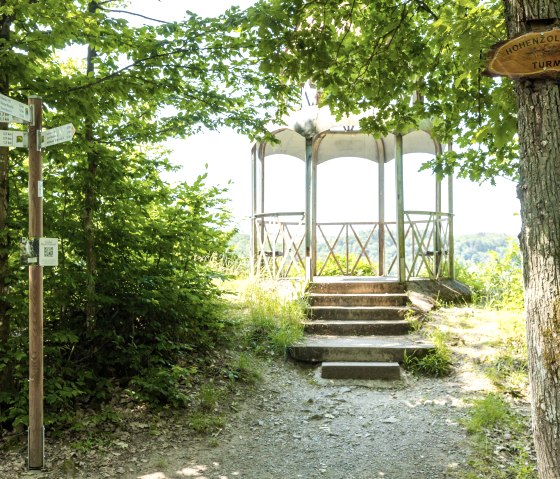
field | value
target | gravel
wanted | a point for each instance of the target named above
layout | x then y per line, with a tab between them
293	425
298	425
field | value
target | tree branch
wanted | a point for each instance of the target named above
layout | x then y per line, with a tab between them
137	15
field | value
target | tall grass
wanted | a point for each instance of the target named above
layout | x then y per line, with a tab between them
270	315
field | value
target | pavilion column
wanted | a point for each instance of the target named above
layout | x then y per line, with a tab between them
314	162
260	207
451	240
400	206
308	206
437	225
381	212
254	245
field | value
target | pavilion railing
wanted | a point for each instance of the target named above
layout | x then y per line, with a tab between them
279	244
347	249
352	249
427	241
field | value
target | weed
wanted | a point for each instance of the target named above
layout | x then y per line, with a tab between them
248	369
209	397
436	363
206	423
414	321
487	413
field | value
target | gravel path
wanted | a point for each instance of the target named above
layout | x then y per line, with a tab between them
298	425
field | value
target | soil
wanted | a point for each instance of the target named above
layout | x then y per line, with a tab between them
292	424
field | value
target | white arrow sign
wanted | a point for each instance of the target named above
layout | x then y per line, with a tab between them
14	139
57	135
20	112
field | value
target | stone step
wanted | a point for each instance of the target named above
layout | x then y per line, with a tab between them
380	299
358	313
360	370
356	286
357	328
358	348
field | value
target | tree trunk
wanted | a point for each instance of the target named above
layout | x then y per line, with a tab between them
5	374
90	198
539	194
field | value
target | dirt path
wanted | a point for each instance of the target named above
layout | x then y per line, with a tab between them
296	425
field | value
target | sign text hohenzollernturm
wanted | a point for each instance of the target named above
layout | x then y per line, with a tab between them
535	55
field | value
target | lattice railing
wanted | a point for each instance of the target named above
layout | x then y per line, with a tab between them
347	249
427	244
280	245
353	249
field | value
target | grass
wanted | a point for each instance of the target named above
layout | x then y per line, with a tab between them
436	363
270	316
206	423
489	344
500	437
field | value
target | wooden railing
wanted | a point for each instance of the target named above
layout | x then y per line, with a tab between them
352	249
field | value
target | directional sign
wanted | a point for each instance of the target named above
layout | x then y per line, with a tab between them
57	135
5	118
20	112
14	139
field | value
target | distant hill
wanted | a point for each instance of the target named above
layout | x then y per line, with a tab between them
473	248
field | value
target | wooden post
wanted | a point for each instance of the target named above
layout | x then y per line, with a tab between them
451	238
308	220
381	210
36	431
400	206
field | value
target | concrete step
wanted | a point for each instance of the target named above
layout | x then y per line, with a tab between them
360	370
357	328
383	299
358	313
356	286
358	348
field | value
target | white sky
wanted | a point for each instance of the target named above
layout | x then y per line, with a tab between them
347	188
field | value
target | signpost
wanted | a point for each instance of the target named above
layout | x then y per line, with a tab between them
532	55
12	111
14	139
57	135
19	112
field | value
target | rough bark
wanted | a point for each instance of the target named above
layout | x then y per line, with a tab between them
539	194
90	198
5	374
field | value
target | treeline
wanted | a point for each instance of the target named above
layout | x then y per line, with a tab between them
134	291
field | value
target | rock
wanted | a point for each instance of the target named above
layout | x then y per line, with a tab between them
390	420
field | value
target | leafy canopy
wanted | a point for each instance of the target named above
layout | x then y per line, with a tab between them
379	54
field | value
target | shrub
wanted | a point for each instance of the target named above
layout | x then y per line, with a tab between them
497	282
